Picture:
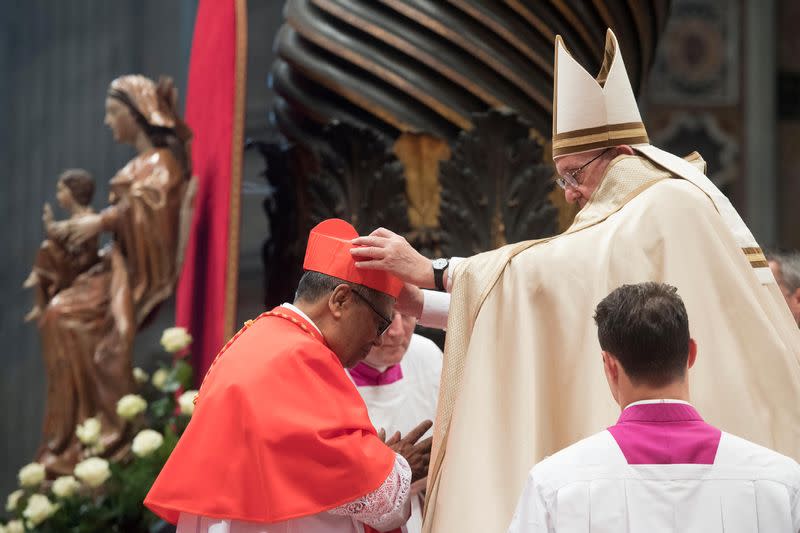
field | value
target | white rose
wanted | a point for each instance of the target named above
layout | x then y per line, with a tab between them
39	509
15	526
13	500
160	378
130	405
93	471
89	431
31	475
140	376
186	401
175	339
65	486
146	442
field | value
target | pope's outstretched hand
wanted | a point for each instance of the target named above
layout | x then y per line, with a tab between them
386	250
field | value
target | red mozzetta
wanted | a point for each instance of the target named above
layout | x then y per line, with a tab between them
279	432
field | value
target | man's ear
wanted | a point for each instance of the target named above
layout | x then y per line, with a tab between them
624	149
692	353
611	367
338	298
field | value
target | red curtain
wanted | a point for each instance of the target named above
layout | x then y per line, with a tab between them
206	293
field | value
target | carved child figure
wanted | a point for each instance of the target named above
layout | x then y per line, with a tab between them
58	262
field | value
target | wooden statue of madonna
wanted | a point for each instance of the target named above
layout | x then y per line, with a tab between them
89	304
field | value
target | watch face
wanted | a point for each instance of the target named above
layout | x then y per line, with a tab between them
439	263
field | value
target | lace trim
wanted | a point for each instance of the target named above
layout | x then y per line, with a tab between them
387	506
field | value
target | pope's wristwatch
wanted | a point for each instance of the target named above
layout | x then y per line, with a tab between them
439	266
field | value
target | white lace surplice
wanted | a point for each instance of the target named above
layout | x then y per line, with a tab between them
386	508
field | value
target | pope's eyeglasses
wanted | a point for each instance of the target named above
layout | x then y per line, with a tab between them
570	177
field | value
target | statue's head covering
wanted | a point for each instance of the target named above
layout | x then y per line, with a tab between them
594	112
328	252
154	102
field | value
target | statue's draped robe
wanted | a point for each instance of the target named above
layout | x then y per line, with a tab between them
522	374
88	328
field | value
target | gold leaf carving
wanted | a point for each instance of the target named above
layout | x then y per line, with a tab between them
421	154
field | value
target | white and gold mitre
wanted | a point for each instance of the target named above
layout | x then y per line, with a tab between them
591	113
594	112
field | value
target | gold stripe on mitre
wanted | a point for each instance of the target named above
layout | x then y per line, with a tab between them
582	140
756	257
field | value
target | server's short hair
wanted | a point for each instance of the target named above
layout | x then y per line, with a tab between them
646	328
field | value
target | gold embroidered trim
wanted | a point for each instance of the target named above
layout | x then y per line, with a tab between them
605	142
755	250
623	126
585	139
599	137
756	257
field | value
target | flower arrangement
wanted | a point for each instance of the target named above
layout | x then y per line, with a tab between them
105	495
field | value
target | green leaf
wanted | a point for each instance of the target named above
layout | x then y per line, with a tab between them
182	374
162	408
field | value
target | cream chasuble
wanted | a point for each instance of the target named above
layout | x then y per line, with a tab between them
522	374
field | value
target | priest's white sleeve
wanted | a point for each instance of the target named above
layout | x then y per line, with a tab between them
387	507
435	304
531	515
435	308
